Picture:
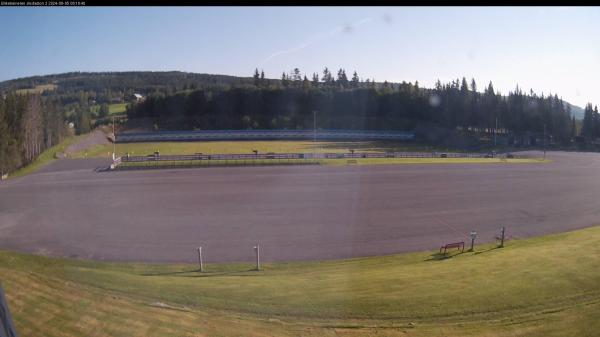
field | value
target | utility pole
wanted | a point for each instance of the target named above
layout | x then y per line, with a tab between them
114	138
257	250
200	259
314	125
544	141
495	133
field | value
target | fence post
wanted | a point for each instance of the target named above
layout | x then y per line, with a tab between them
200	259
257	250
502	236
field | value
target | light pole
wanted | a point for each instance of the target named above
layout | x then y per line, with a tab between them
200	259
257	250
544	141
114	138
314	125
495	133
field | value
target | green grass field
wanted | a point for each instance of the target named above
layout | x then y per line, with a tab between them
166	148
113	109
214	147
546	286
38	89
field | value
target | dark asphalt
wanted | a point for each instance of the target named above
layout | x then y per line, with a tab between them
294	212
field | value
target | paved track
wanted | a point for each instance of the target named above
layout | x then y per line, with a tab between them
296	213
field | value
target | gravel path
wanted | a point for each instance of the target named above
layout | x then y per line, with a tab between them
97	137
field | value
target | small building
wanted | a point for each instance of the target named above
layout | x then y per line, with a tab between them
137	98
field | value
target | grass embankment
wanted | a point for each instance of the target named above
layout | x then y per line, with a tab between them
547	286
46	157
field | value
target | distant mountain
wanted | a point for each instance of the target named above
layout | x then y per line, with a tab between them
144	82
576	111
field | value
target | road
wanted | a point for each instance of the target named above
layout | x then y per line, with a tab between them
294	212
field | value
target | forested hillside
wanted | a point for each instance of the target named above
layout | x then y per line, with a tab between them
342	103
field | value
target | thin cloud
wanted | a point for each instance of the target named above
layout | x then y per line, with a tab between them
347	28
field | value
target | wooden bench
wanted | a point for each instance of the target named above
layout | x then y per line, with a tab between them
458	245
351	162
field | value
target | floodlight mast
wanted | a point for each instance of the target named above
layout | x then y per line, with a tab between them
544	141
314	125
114	138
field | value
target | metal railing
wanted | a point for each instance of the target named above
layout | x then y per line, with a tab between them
283	158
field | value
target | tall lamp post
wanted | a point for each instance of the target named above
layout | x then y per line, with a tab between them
314	125
544	141
114	138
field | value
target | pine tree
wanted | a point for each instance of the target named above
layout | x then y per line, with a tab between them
342	79
355	80
473	85
256	78
490	89
327	78
305	83
463	86
315	80
284	80
588	123
296	77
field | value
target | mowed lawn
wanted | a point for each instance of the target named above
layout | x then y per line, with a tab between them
546	286
214	147
276	146
46	157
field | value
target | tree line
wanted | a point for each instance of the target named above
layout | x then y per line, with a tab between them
340	102
28	126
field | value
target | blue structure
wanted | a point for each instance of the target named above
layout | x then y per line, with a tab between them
263	135
7	329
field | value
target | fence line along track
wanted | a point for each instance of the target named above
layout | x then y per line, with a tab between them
160	161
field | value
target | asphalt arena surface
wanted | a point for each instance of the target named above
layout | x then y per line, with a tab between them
71	209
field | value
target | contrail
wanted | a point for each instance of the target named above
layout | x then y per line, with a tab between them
317	37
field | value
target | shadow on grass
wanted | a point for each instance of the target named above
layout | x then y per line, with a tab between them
487	250
442	256
197	273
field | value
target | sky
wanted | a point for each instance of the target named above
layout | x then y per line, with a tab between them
546	49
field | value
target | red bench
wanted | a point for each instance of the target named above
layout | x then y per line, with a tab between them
458	245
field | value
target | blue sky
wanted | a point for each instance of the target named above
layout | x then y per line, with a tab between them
547	49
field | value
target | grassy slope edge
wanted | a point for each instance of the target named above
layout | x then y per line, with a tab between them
45	157
545	286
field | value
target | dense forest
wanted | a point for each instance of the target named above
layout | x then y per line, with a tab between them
343	102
